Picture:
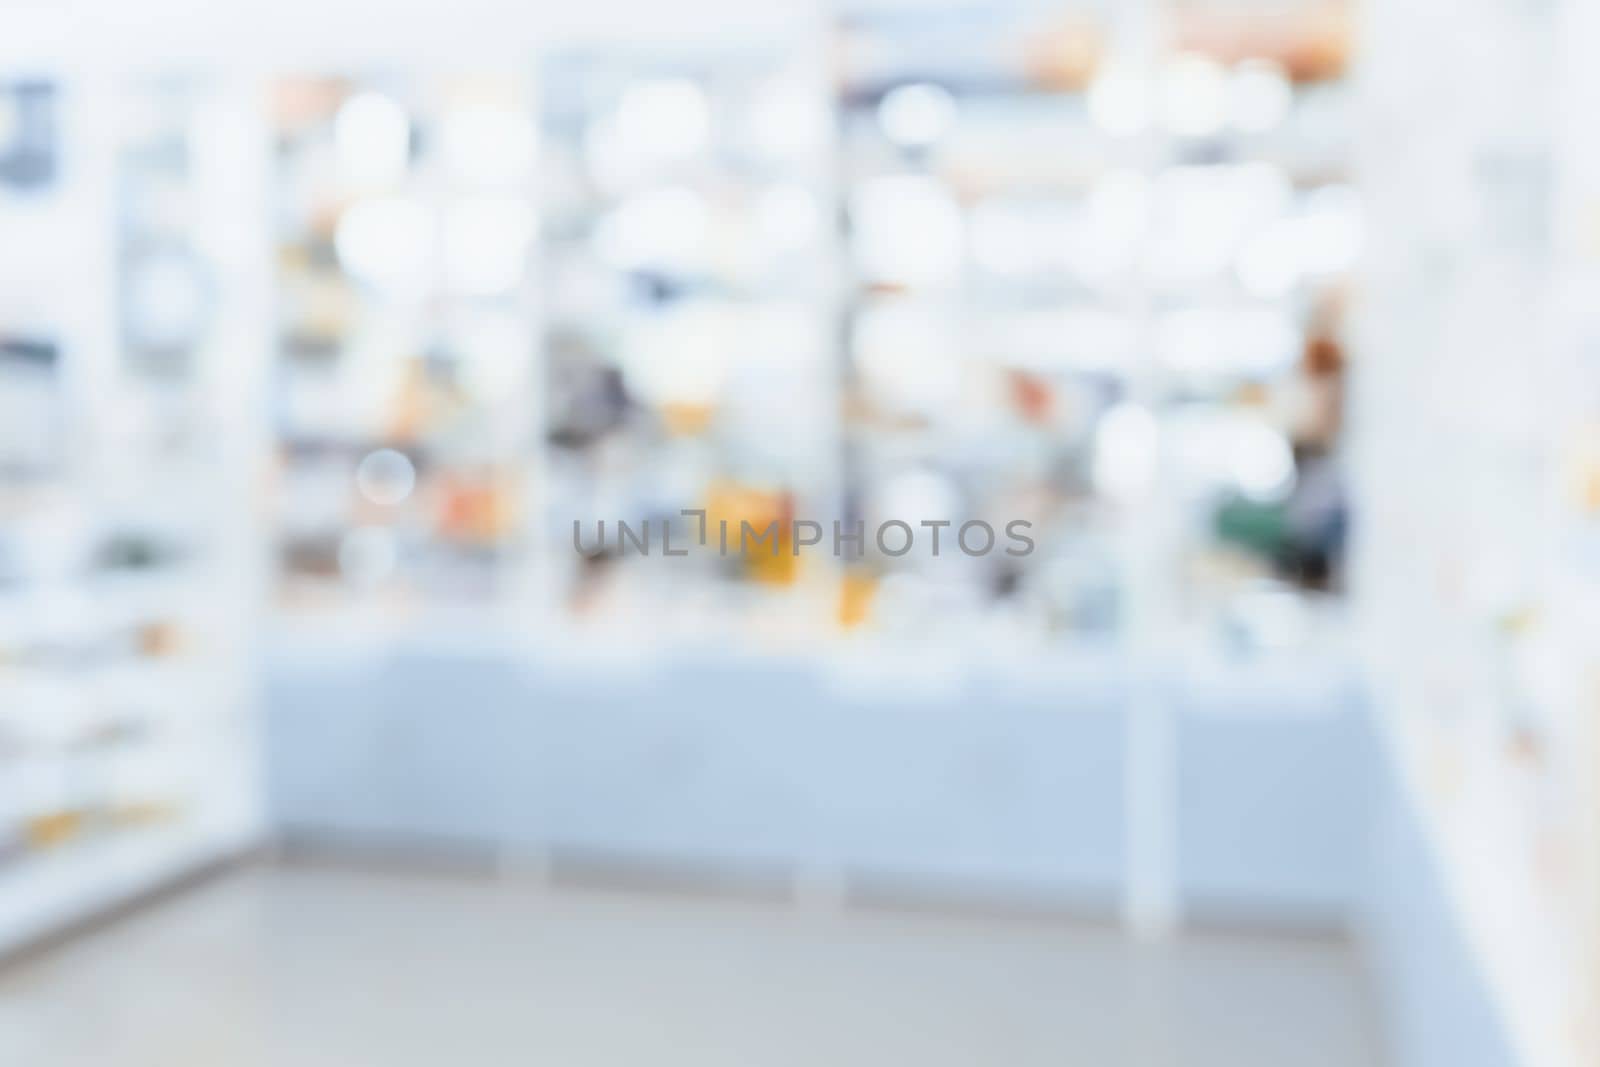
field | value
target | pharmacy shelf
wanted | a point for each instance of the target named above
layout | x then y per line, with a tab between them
1502	904
43	894
126	611
1476	475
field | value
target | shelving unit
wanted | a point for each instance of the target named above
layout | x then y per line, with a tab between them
981	362
693	333
1097	257
1253	211
1096	278
725	321
126	748
1477	472
501	302
687	338
406	344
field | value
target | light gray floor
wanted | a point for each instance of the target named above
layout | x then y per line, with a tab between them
306	967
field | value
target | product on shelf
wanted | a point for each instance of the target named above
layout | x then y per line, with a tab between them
165	292
32	446
28	135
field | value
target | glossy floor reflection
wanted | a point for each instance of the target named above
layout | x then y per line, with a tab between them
274	967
